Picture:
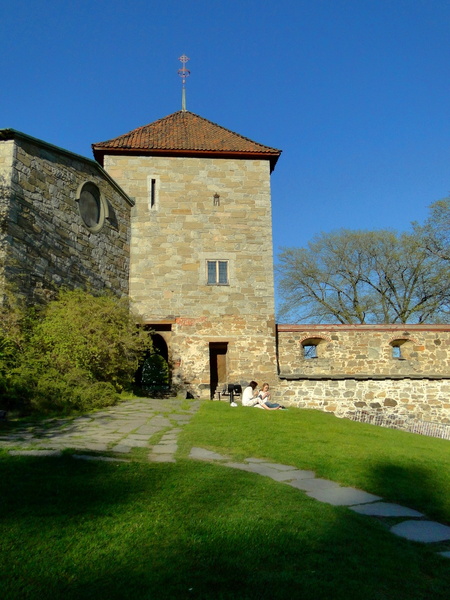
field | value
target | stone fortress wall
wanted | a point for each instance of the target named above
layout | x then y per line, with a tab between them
399	370
44	242
226	332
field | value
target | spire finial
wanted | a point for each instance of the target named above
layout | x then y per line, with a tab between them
183	73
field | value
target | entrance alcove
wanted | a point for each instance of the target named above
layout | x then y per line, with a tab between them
153	375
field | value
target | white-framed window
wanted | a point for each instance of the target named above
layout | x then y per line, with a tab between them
217	272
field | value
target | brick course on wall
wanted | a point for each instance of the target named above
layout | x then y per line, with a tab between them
46	244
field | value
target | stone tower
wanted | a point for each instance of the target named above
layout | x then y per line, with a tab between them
201	258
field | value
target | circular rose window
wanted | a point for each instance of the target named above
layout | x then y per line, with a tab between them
91	207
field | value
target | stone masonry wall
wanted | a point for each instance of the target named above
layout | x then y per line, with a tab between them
6	161
364	349
176	231
48	245
355	369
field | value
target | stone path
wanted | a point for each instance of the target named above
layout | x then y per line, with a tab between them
154	425
146	423
417	528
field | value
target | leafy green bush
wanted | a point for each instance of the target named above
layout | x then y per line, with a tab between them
78	353
97	334
155	376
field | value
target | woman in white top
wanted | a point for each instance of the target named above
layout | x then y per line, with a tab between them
248	395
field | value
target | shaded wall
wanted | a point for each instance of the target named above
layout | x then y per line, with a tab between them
45	243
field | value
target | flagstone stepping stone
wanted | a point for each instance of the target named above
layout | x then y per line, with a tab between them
446	554
165	448
422	531
295	475
385	509
161	458
101	458
35	452
341	496
314	484
202	454
278	467
121	448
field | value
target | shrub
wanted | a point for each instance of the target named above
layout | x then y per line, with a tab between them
76	354
97	334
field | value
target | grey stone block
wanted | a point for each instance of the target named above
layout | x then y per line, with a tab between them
165	449
279	467
313	484
385	509
343	496
161	458
121	448
101	458
202	454
35	452
422	531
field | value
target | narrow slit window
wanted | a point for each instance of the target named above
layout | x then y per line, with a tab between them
152	193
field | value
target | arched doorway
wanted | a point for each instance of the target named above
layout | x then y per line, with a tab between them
153	375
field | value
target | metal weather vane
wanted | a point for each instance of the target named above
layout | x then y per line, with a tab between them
184	74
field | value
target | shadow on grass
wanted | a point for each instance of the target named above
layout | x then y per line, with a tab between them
413	486
80	530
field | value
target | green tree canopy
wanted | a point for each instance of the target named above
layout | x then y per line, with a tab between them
363	277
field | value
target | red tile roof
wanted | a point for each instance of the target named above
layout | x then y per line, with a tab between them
184	133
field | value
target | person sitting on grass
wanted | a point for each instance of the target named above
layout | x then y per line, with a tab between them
248	395
264	398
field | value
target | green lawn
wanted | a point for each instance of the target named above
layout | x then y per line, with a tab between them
402	467
78	530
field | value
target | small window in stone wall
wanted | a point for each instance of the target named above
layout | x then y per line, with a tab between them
91	207
217	272
310	348
401	349
309	351
396	352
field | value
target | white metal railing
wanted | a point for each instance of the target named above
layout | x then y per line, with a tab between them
437	430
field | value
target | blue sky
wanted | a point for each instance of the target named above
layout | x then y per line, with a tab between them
355	92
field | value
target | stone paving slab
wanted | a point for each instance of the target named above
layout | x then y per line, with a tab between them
202	454
161	458
165	449
446	554
295	475
279	467
422	531
121	448
35	452
343	496
385	509
313	484
100	458
136	443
